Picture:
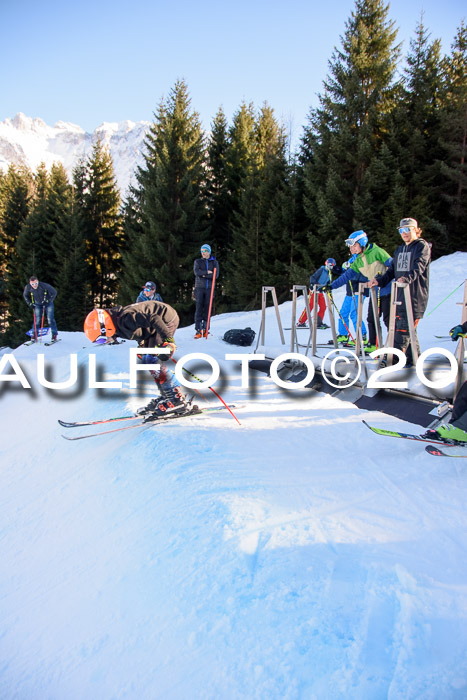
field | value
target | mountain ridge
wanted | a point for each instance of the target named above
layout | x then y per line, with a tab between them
28	141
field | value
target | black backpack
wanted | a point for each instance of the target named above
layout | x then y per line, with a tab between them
238	336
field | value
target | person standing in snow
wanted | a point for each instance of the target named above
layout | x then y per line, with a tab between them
152	324
349	309
204	270
40	297
323	275
370	260
410	265
149	293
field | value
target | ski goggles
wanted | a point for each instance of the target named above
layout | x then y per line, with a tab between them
405	229
149	289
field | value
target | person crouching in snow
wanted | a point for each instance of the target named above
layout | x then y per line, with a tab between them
152	324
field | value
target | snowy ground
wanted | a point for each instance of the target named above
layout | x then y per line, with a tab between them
295	556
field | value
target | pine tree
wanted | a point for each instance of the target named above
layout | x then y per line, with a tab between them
218	196
240	154
17	193
417	123
69	249
261	225
34	245
137	268
346	133
102	226
454	143
172	200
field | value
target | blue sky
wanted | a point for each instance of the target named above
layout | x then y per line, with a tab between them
88	62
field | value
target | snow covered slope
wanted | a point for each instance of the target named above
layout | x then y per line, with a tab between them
297	556
26	141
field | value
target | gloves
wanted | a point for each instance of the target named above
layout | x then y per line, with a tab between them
152	359
456	332
170	344
326	288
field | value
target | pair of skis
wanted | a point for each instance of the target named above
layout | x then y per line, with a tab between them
139	421
34	342
449	449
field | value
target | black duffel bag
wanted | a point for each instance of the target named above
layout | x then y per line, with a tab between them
237	336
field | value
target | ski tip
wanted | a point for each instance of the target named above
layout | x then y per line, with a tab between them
432	450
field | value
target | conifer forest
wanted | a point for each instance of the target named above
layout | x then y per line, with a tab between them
386	140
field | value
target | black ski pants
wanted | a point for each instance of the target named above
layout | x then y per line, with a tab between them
384	307
202	296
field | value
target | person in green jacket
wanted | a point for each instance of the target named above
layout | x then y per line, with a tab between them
370	262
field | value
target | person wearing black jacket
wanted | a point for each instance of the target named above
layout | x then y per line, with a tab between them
204	271
40	297
152	324
410	265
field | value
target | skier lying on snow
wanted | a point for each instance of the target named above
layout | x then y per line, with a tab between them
153	325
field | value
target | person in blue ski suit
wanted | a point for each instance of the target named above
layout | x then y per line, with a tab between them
149	293
349	308
370	261
204	270
40	297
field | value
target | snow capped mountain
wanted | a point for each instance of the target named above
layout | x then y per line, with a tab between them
28	141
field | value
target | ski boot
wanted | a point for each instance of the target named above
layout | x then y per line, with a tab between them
450	433
171	402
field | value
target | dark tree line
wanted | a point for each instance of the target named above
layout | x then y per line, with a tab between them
387	140
68	235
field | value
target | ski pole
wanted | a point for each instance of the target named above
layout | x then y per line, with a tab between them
42	323
442	302
210	301
340	315
214	392
353	298
35	325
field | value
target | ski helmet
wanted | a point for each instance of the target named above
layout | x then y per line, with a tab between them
357	237
330	263
98	326
150	285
